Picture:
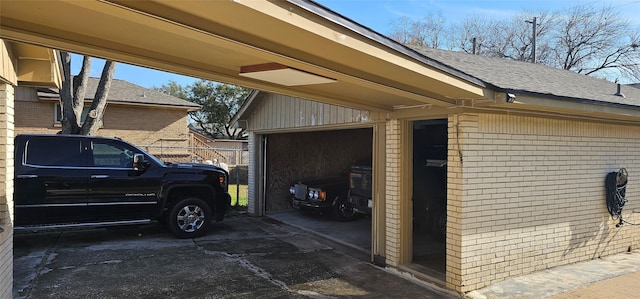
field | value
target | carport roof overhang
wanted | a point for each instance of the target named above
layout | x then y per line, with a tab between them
35	66
213	40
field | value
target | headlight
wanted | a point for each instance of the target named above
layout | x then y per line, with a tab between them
316	194
292	190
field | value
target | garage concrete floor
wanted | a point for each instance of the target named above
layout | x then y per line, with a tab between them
242	257
355	233
429	254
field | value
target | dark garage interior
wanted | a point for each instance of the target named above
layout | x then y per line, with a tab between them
306	155
293	156
430	195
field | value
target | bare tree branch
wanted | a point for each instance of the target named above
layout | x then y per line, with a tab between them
430	32
95	115
584	39
594	41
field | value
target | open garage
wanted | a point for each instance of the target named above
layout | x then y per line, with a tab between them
300	140
323	160
305	155
321	156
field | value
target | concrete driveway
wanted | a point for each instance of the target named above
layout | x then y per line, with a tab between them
243	257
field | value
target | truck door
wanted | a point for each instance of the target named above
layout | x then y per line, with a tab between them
50	181
118	192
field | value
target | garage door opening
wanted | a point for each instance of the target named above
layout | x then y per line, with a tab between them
430	196
318	162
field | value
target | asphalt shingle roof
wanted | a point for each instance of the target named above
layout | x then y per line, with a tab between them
535	79
126	93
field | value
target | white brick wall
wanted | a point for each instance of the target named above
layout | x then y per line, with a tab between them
6	190
454	203
251	204
533	195
392	197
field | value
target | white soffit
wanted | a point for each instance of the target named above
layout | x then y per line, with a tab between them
282	74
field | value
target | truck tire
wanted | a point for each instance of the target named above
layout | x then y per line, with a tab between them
343	210
189	218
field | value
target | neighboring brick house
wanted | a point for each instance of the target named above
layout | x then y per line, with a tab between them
154	121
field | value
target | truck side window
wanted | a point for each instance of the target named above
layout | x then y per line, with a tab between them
54	152
111	155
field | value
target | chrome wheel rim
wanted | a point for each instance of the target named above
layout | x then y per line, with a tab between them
346	209
190	218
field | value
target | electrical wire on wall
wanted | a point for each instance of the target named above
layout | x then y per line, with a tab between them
616	186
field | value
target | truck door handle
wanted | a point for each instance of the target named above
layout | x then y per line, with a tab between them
99	176
27	176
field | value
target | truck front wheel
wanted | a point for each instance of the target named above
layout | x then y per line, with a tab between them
343	209
189	218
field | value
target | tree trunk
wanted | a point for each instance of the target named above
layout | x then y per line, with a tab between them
94	117
69	120
79	87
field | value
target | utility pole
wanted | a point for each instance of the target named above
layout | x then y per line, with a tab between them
473	41
533	41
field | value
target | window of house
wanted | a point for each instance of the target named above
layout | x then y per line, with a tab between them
83	117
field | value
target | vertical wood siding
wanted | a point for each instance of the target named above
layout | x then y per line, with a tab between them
284	112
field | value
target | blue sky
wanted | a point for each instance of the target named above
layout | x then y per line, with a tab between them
378	15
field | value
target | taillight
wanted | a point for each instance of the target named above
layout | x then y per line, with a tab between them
351	180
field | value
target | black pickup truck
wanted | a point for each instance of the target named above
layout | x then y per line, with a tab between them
86	181
360	185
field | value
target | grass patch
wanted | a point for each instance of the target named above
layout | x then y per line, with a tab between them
239	195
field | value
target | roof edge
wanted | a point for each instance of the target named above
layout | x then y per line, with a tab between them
246	107
338	19
570	99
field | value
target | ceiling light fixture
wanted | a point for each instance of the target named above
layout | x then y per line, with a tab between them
282	74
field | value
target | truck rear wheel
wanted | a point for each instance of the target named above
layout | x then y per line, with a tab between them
189	218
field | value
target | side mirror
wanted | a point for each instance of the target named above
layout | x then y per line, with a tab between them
138	162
